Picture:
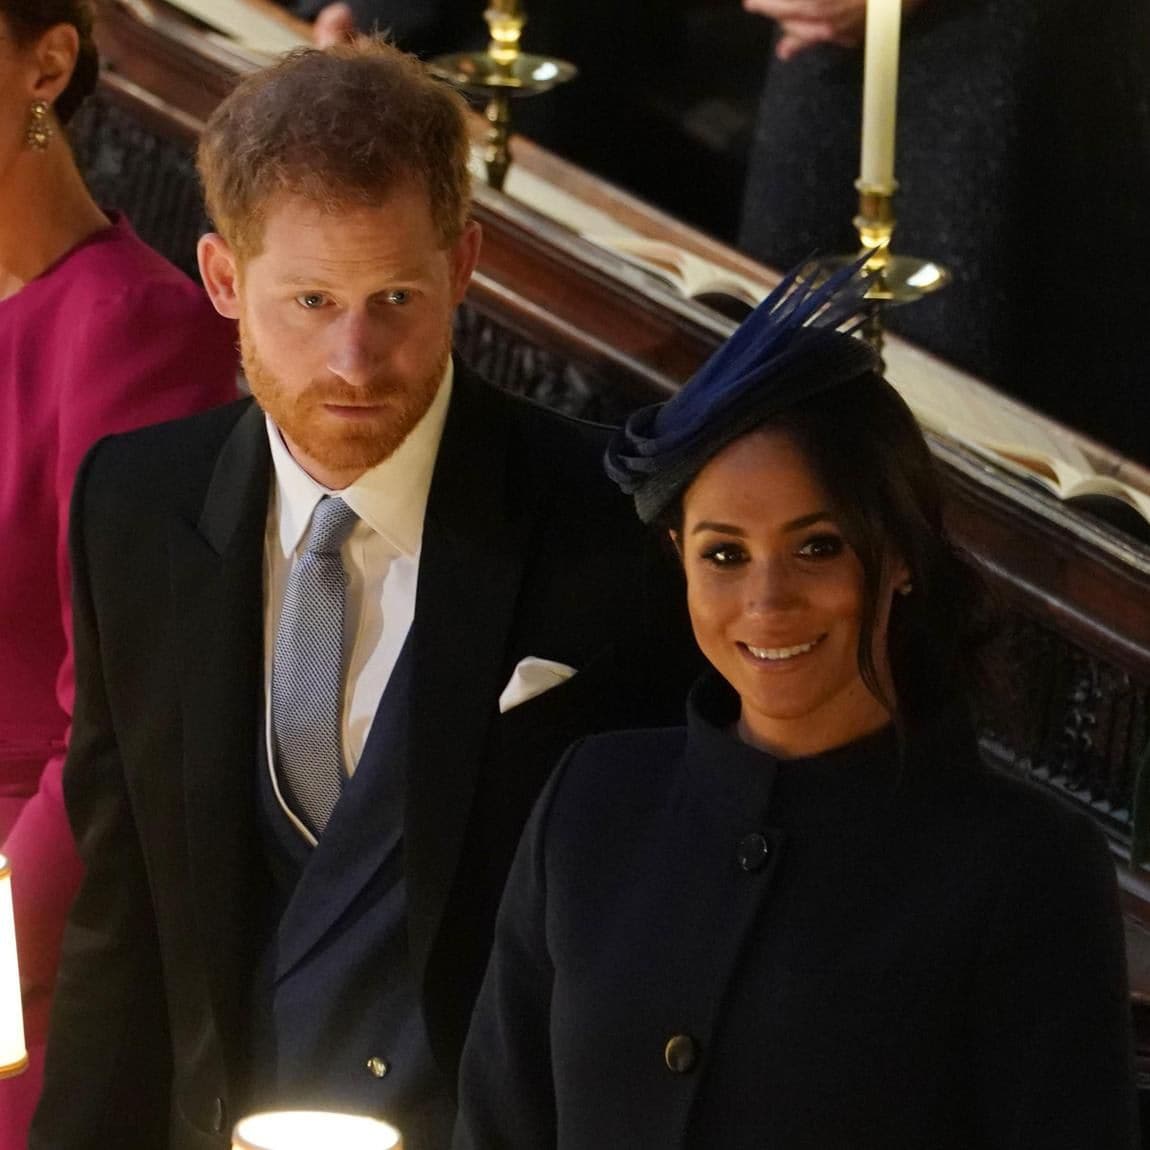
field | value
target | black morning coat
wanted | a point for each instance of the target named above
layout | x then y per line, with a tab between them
527	550
706	948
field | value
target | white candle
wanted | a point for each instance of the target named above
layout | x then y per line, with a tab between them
13	1055
880	92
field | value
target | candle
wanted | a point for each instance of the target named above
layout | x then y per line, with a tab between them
880	93
313	1130
13	1055
505	21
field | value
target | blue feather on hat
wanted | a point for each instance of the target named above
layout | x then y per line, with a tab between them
793	345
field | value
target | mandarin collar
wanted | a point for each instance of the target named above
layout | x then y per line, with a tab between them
845	783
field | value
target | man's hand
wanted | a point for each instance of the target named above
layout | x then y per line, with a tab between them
334	24
805	23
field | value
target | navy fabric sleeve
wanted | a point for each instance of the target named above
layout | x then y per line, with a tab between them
1051	1019
506	1084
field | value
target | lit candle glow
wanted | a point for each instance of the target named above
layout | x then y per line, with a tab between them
313	1130
13	1054
880	93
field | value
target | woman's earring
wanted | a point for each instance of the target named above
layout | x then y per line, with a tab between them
906	588
40	129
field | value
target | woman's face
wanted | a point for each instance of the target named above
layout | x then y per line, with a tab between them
775	595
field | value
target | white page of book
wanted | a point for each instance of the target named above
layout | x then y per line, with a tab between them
243	22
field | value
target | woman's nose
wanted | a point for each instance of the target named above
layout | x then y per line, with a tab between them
772	586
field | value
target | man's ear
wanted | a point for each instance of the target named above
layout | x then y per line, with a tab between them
219	270
54	58
464	257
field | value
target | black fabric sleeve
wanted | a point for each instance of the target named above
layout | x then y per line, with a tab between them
108	1070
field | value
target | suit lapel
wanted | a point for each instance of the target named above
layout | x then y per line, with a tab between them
216	570
474	544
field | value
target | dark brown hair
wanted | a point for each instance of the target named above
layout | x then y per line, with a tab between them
30	19
337	127
865	448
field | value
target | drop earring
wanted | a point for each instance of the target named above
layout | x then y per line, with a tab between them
40	129
906	588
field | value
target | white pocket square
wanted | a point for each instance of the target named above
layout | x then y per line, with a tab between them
532	677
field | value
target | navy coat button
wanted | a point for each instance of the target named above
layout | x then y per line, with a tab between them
377	1067
219	1116
754	851
681	1053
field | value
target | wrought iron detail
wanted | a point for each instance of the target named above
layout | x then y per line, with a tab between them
1081	725
511	361
150	179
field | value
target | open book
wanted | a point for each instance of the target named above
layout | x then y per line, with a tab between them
709	283
1102	495
1013	437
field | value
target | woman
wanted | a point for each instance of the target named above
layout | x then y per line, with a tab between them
810	919
97	334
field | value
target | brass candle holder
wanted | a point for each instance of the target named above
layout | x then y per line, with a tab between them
498	74
894	279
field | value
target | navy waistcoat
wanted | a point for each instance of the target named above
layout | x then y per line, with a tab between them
337	1022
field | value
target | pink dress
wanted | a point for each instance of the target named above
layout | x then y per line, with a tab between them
109	338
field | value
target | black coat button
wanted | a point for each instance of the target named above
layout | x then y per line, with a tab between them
681	1053
219	1116
754	850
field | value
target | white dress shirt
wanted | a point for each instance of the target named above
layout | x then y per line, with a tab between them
381	558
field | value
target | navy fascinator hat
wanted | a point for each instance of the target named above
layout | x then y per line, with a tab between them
792	346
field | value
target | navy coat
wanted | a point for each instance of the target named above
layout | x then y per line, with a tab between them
703	947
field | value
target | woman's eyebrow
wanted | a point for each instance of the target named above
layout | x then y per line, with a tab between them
793	525
721	528
808	520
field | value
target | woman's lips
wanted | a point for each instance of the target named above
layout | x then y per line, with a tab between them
781	654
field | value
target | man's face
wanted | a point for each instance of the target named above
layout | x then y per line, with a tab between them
345	323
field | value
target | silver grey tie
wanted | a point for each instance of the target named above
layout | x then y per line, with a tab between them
307	668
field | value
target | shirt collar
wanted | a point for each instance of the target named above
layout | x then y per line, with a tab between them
391	498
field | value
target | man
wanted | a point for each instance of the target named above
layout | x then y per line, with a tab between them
295	846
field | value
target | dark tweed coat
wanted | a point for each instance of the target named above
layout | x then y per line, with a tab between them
1023	158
